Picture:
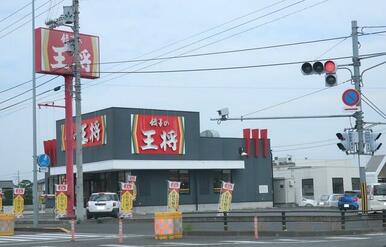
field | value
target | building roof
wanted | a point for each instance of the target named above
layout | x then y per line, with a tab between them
6	184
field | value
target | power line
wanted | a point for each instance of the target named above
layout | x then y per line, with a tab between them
219	68
19	85
22	101
290	100
17	11
162	61
373	106
26	91
302	144
310	147
21	25
230	51
22	18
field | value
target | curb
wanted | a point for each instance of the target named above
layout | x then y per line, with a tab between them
281	233
41	229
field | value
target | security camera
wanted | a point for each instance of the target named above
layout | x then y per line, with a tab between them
223	113
242	152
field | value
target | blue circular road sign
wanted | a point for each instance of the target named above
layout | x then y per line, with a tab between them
44	160
350	97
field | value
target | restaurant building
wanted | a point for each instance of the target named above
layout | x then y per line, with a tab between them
161	145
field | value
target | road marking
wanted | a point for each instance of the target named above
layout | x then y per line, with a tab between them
375	234
347	238
288	240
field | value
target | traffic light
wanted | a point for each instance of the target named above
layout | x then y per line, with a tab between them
343	145
372	145
330	69
347	141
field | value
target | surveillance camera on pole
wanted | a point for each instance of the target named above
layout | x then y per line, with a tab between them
223	113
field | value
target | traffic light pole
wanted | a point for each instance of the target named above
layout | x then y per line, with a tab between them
356	77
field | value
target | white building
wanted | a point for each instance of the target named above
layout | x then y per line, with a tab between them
312	178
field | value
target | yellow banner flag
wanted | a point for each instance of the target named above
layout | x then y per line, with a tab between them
61	204
18	205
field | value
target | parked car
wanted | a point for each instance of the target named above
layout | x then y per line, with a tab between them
306	202
329	200
103	204
349	200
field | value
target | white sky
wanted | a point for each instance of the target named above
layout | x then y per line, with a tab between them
129	29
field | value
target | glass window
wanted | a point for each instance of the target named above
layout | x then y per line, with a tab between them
219	176
204	184
183	177
337	185
356	183
308	188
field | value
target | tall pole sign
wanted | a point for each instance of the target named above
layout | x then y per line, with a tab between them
54	55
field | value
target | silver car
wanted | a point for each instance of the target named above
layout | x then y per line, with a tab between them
329	200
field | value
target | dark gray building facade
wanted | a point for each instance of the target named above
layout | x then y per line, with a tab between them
162	145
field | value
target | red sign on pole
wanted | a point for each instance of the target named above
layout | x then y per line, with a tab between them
93	132
157	134
53	53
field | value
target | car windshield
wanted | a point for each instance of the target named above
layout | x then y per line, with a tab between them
352	193
380	190
103	197
324	197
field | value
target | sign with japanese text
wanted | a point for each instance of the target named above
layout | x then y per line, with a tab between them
54	56
132	179
173	195
61	200
157	134
225	200
127	198
93	132
18	202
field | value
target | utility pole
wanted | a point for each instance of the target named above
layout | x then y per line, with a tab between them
356	77
34	155
78	117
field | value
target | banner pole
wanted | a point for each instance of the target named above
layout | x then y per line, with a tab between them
120	231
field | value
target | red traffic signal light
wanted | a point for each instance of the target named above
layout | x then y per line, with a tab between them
329	67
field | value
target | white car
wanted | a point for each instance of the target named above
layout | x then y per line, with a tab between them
305	202
103	204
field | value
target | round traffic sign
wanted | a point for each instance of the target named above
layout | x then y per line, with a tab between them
350	97
44	160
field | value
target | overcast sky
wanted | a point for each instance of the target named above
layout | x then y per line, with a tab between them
147	29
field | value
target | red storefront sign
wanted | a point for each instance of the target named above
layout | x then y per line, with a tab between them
157	134
93	132
53	54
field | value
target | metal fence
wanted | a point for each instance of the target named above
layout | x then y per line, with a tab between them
286	220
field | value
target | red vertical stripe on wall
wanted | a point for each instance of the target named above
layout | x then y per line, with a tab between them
255	137
264	137
247	138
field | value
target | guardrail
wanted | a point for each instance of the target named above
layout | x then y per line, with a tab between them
287	220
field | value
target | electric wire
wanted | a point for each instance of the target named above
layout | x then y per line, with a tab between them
189	37
25	100
22	18
14	13
291	100
302	144
28	90
20	84
24	23
220	68
373	106
310	147
100	82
